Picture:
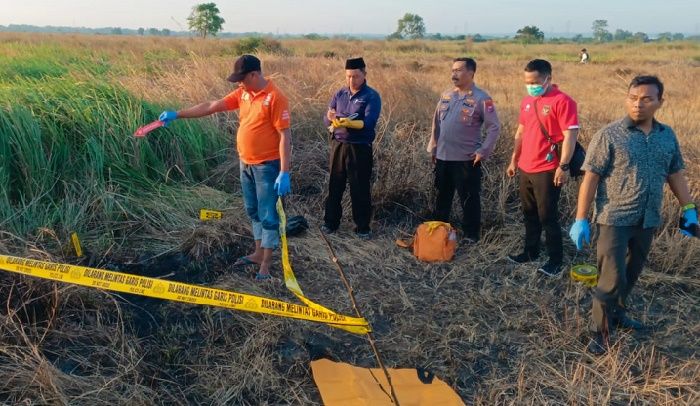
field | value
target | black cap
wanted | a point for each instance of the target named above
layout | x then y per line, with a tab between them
243	65
355	63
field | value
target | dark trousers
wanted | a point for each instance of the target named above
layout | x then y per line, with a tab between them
540	200
622	252
466	179
350	163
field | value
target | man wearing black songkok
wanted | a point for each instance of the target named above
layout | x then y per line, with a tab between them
352	115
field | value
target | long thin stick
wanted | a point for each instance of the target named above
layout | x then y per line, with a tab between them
370	336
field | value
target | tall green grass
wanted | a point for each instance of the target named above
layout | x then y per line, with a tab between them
69	162
44	61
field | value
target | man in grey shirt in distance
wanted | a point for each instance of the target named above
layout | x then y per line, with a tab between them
458	148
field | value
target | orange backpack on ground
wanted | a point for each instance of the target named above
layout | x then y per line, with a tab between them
434	241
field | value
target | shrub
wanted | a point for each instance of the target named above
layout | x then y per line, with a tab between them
251	45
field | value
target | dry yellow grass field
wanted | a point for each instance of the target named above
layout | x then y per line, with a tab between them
497	333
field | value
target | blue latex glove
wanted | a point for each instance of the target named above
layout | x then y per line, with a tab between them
167	116
282	185
580	232
690	217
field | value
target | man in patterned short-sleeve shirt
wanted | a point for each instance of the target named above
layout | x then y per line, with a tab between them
627	164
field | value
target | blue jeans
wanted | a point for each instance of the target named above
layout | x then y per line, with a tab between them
259	199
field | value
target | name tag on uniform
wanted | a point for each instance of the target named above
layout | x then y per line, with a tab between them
466	115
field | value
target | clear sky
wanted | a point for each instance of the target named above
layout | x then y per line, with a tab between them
366	16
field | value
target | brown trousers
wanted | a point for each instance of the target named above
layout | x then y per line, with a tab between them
622	252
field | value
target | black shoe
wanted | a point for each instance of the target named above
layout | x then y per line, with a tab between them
366	235
598	345
470	238
326	229
522	258
468	241
551	269
627	323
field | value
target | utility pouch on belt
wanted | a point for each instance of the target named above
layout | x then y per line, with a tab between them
434	241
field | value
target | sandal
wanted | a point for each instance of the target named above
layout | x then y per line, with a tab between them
263	277
243	262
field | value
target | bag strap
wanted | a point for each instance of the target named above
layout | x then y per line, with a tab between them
542	127
405	243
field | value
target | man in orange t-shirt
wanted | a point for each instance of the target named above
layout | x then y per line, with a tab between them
263	141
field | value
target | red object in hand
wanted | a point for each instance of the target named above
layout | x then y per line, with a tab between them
142	131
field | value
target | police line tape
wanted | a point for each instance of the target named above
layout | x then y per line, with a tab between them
290	279
177	291
193	294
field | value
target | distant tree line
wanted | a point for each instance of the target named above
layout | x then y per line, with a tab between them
84	30
412	26
150	31
531	34
602	34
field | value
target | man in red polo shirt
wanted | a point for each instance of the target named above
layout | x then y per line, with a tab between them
543	147
263	141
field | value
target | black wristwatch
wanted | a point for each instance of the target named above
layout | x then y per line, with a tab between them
564	167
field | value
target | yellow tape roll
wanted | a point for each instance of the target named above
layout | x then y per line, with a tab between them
585	273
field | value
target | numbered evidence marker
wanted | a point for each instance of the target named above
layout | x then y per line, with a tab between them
142	131
76	244
205	215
